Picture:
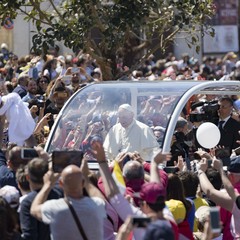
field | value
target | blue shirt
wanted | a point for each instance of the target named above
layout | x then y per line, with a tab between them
7	176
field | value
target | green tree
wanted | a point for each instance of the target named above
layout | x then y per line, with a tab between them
116	30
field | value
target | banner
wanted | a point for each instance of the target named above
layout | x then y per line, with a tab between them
225	23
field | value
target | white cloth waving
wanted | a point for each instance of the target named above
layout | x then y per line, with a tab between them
21	123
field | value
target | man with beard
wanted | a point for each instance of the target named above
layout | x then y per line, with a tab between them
31	91
75	80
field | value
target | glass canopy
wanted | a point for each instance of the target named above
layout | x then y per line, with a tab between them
93	109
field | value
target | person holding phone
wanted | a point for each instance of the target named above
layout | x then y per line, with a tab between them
179	146
234	195
9	166
57	213
32	228
209	225
222	198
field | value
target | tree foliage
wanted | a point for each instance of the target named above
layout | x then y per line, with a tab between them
114	30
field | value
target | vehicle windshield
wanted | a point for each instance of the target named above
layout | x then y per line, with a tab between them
93	110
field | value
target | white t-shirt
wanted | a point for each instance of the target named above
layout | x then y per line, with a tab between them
235	222
91	213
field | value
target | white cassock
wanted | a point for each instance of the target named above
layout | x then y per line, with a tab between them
137	137
21	123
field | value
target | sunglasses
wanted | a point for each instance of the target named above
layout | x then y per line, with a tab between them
43	81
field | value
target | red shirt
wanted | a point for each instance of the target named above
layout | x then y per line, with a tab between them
226	219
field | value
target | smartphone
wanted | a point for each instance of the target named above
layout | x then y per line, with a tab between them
126	159
67	79
237	151
61	159
28	153
215	219
140	222
209	161
170	169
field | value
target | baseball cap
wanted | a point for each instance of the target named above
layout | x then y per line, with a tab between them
234	166
11	195
177	209
151	191
232	55
202	213
159	229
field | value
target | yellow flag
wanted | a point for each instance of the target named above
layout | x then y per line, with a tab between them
118	177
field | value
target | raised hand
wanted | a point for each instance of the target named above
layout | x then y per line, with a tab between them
162	157
217	164
203	165
98	151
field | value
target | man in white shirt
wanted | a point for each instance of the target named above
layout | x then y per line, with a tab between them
130	135
57	214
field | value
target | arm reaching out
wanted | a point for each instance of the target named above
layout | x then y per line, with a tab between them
154	172
220	198
227	184
111	188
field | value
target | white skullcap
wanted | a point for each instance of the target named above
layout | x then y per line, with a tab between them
127	107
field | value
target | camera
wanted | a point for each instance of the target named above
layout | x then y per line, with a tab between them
140	222
28	153
126	159
209	112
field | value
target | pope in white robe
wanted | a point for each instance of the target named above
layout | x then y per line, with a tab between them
130	135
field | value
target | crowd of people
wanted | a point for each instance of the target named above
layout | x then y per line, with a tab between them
163	195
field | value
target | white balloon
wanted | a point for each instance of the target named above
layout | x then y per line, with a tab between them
208	135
